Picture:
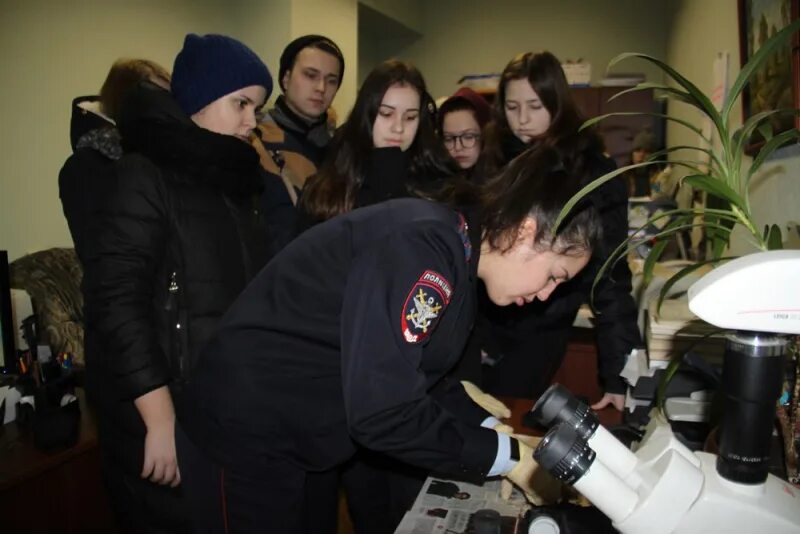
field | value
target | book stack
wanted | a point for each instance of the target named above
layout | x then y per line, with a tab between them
622	79
578	73
674	329
480	83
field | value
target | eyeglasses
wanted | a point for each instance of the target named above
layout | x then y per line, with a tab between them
467	140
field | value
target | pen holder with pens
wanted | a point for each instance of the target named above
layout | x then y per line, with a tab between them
50	409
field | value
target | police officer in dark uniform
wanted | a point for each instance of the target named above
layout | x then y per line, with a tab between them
339	341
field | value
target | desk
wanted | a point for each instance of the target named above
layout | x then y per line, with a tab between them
59	492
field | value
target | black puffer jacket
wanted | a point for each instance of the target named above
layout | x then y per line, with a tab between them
180	238
85	178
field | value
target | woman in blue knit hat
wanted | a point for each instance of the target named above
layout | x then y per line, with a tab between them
178	241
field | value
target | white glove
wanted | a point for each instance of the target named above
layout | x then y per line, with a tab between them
539	486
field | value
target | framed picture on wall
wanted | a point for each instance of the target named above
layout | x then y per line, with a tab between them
777	84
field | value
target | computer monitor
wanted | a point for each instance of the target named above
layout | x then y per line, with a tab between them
7	350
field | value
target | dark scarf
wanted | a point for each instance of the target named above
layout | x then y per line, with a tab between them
513	146
316	132
153	124
385	178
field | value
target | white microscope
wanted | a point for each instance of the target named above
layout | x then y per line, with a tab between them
664	487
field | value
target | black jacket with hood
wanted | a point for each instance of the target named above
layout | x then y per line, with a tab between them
177	241
85	179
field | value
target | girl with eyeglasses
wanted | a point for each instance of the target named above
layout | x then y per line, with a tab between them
526	345
462	118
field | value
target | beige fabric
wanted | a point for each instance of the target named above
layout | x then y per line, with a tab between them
296	169
53	280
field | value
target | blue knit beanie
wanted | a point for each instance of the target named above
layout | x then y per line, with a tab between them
211	66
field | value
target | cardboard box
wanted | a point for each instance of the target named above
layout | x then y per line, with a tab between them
579	74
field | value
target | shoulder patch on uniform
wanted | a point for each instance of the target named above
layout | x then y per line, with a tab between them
424	304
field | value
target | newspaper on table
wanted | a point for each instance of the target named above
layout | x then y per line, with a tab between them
454	507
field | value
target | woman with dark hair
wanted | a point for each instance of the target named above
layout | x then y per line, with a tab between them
386	149
462	118
338	342
525	346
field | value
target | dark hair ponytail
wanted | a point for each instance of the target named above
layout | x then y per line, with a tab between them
538	184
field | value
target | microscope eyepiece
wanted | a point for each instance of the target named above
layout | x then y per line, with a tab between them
558	405
564	454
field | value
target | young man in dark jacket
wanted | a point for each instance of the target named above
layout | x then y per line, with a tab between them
295	134
178	239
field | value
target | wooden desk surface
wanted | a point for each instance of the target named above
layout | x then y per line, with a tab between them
20	460
61	491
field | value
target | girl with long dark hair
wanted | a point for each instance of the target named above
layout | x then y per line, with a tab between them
386	149
525	346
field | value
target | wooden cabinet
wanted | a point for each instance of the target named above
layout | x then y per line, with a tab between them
61	492
618	132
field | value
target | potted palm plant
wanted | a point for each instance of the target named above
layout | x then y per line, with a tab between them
724	173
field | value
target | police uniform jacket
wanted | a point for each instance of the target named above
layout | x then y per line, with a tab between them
338	342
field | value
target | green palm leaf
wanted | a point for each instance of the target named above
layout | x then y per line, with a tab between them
710	153
773	238
594	184
701	100
671	92
742	136
769	147
594	120
716	187
672	280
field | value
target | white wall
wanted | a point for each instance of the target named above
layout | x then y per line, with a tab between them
338	20
700	30
475	36
406	12
264	26
50	53
381	36
53	51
